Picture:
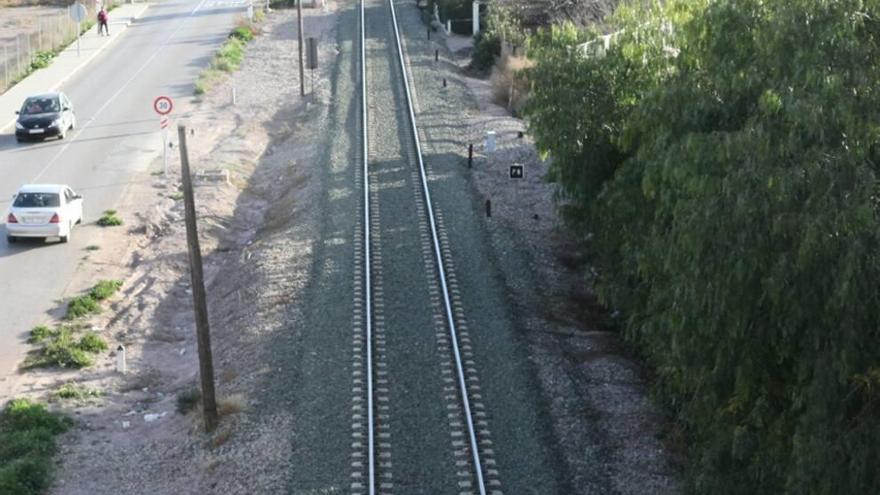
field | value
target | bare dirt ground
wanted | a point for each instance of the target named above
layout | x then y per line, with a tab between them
19	20
132	440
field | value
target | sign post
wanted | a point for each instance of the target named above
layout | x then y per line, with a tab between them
78	14
163	124
163	106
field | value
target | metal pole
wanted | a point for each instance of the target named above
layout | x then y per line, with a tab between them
17	54
165	147
302	80
78	30
206	366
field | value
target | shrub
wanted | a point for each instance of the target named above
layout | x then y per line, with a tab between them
82	306
242	33
24	415
27	443
39	334
109	219
105	289
188	400
229	55
502	24
65	352
201	86
62	349
230	405
486	48
509	84
227	59
77	392
92	342
42	60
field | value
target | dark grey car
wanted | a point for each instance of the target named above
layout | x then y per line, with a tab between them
43	116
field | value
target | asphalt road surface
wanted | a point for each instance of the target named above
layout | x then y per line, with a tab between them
117	137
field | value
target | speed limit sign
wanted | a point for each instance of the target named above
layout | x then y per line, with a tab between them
163	105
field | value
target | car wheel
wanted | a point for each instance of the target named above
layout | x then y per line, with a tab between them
11	239
73	123
66	238
18	139
62	134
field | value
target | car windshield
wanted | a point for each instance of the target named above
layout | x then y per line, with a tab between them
40	105
37	200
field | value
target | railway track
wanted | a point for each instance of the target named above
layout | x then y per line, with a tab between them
391	162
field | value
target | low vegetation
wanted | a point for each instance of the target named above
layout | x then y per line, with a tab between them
77	393
39	333
188	400
27	443
228	57
510	88
42	60
109	219
69	345
82	306
723	158
104	289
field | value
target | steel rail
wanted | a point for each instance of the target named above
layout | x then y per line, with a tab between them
371	427
475	454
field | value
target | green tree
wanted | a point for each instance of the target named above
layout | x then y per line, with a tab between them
725	156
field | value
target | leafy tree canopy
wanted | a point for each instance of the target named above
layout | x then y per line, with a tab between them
724	155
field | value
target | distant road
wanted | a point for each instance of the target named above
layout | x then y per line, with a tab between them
117	135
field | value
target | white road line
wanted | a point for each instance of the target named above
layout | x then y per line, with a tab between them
115	95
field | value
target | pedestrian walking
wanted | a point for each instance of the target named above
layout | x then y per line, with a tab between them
103	30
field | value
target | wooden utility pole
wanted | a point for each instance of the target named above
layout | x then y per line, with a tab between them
200	304
302	77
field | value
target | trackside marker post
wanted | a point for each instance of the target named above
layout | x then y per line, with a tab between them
120	359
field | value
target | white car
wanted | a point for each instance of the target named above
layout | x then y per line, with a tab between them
43	210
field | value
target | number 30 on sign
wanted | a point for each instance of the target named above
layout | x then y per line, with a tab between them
163	105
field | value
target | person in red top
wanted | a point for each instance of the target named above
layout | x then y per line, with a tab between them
102	23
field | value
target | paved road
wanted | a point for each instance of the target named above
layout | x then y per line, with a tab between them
117	137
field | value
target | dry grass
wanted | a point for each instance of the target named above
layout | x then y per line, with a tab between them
233	404
220	437
509	87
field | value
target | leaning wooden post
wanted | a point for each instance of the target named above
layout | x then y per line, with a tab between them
206	366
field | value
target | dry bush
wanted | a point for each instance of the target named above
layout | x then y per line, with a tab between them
509	85
219	438
232	404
